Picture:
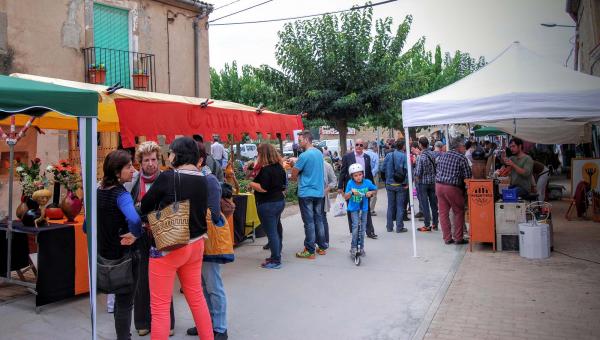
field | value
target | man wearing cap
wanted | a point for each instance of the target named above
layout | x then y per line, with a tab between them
452	169
362	158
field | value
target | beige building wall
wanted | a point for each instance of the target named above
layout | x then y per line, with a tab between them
586	14
46	37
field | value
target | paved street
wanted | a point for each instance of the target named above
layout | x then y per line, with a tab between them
504	296
386	297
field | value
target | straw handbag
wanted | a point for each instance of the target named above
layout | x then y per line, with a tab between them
170	225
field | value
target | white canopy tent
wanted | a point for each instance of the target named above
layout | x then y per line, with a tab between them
519	92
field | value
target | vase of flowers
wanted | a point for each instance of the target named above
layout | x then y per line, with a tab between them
67	176
31	181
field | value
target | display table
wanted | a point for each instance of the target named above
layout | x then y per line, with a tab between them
245	217
62	263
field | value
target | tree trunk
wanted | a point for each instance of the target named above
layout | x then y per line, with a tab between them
342	127
280	143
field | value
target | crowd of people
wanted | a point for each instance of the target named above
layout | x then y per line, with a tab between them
127	196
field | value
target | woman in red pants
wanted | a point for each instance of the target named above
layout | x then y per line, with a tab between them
186	182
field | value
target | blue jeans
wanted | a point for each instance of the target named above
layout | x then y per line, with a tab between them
214	292
311	210
427	199
396	200
269	214
359	219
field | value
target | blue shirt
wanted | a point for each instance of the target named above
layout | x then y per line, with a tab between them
399	161
310	180
374	162
134	222
359	202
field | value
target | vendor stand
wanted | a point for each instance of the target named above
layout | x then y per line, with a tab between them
36	99
519	93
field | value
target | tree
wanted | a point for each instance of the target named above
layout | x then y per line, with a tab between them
337	70
253	86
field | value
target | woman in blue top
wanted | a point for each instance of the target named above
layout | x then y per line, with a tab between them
358	188
119	225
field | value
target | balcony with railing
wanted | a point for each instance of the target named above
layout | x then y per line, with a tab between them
133	70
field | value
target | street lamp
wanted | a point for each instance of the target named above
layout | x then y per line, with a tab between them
551	24
576	43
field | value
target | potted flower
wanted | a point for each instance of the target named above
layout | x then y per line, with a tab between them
31	181
140	79
67	176
97	73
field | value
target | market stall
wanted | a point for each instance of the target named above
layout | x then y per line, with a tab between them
36	99
520	93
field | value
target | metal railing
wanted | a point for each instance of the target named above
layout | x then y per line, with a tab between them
108	66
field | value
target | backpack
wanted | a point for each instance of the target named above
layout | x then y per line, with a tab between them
399	175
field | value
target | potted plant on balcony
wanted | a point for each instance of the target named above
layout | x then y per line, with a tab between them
140	79
97	73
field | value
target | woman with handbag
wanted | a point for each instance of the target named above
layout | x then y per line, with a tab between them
176	205
119	226
269	185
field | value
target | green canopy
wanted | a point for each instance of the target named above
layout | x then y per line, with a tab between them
486	131
36	98
33	98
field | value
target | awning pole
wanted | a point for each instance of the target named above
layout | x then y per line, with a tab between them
410	194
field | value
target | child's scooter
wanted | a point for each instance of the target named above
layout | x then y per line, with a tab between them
359	250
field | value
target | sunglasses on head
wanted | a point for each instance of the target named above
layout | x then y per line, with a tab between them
359	144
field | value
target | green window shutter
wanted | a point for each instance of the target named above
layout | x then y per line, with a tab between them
111	31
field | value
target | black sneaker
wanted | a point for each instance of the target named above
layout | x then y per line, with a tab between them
266	246
373	236
220	336
192	331
449	242
419	215
463	241
406	218
403	230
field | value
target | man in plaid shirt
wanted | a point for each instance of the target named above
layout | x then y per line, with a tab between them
452	170
425	178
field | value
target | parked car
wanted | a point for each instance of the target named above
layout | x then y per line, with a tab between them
288	149
333	145
248	151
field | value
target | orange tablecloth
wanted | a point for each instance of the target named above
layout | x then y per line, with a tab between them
81	255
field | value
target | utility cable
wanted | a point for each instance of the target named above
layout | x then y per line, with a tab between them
575	257
231	3
303	16
240	11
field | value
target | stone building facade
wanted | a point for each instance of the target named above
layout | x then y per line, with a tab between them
586	14
164	41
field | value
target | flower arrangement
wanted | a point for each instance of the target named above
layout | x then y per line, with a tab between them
30	177
99	67
65	174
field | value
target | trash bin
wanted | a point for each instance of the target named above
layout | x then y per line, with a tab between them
534	240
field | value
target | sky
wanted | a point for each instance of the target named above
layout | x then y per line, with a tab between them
479	27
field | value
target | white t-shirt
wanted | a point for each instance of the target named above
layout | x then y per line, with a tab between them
217	150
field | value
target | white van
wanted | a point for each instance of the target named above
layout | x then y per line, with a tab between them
249	151
333	145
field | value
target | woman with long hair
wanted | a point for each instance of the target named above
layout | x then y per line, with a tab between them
119	225
186	182
269	185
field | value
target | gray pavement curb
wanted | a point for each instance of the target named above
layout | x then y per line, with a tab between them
439	296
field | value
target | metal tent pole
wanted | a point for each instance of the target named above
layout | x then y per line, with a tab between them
11	145
410	196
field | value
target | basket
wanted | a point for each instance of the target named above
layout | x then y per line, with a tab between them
170	226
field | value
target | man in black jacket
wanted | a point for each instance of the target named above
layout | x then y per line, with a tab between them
360	157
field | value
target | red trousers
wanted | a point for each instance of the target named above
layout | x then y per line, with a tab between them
187	263
451	197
